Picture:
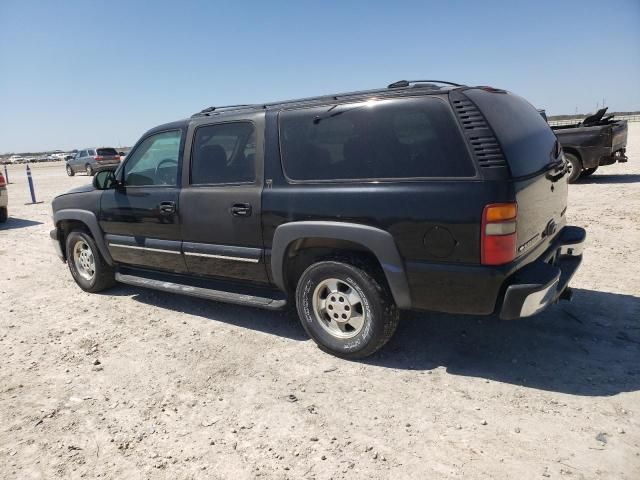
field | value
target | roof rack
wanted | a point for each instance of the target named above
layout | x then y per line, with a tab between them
408	83
333	97
210	110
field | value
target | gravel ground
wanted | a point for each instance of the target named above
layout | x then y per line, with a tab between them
136	384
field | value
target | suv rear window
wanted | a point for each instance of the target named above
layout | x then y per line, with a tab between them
399	138
107	152
526	138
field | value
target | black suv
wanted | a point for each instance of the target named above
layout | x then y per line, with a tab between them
424	195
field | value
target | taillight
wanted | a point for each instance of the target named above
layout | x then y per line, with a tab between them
3	182
498	237
99	158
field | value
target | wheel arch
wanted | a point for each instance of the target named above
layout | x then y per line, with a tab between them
368	240
69	219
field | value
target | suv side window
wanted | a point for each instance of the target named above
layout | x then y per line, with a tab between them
91	152
83	153
224	154
384	139
155	161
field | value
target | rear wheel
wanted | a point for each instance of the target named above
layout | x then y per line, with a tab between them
70	171
588	171
345	309
89	170
574	167
88	268
4	214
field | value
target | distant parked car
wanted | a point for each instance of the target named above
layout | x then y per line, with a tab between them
92	160
4	199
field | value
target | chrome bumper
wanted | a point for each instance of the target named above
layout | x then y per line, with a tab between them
541	283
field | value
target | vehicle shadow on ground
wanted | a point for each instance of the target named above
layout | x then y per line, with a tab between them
283	323
589	347
13	223
631	178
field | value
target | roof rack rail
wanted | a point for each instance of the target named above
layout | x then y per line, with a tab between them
210	110
407	83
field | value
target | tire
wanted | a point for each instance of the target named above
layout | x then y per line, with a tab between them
588	171
70	171
81	266
89	169
575	167
356	295
4	214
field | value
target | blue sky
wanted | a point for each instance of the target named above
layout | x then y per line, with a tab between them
80	73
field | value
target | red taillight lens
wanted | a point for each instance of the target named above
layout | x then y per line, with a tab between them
498	236
3	182
99	158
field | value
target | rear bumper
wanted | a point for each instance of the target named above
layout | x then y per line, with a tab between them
540	283
4	197
55	241
97	167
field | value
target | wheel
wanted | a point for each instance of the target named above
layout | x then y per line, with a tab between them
345	309
574	167
89	170
90	271
4	214
70	171
588	171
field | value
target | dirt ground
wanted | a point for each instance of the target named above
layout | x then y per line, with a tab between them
136	384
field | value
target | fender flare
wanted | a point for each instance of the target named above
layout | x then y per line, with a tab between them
90	220
379	242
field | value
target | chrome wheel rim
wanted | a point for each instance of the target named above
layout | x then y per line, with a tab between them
339	308
68	170
84	260
569	167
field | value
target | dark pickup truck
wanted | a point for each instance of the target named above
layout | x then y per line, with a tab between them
595	141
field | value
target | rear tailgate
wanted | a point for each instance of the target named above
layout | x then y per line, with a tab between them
107	155
618	135
535	162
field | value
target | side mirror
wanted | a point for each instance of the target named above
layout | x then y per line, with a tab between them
104	180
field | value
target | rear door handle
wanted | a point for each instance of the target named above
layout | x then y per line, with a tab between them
167	208
241	210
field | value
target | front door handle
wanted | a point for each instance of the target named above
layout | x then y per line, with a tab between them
167	208
241	210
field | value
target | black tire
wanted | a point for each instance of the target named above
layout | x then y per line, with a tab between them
381	316
588	171
4	214
89	169
575	167
103	276
70	171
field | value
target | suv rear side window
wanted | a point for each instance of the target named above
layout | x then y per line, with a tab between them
400	138
224	153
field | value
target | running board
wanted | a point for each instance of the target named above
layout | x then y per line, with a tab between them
200	292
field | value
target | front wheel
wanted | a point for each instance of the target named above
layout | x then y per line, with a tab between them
88	268
574	167
345	310
70	171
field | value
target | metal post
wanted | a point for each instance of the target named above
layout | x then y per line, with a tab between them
6	175
30	180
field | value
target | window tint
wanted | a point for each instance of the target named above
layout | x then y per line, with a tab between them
91	152
376	139
526	138
107	152
224	153
155	161
83	153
